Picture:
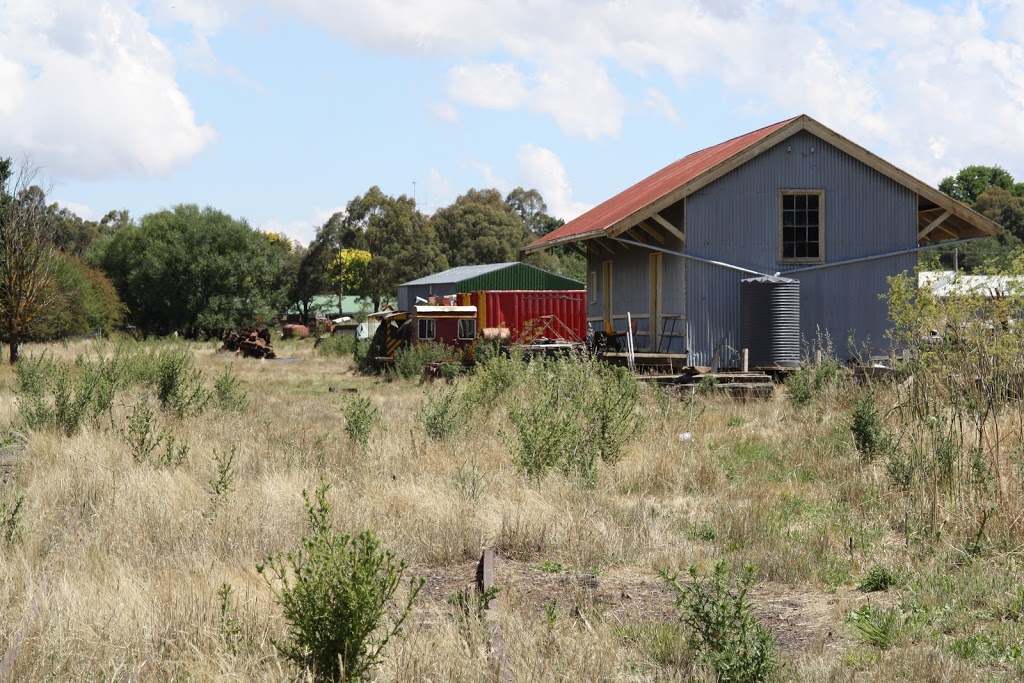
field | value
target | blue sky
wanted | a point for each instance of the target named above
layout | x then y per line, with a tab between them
281	111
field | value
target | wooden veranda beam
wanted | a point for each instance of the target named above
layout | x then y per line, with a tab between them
934	224
668	226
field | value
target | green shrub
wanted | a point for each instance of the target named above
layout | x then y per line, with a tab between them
442	413
721	628
878	578
570	413
410	360
336	345
33	377
360	414
228	393
230	626
800	386
866	426
179	384
10	519
336	591
493	377
141	433
72	397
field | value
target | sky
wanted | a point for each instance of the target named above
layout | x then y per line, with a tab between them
282	111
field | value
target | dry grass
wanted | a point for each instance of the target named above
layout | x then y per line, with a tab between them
116	572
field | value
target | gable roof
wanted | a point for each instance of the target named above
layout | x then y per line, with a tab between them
692	172
458	274
510	275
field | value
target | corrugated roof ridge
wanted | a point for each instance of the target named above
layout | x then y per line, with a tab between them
666	170
777	124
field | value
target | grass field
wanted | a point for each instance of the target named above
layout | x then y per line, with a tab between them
113	566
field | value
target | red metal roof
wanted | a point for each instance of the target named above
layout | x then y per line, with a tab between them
650	190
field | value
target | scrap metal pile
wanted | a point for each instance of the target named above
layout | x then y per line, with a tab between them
250	342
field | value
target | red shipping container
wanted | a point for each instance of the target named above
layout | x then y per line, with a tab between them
529	314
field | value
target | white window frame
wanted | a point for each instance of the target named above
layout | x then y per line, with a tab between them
428	323
472	332
820	194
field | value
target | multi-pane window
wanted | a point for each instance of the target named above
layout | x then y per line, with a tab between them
467	328
802	226
427	328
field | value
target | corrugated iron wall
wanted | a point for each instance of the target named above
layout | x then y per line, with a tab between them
407	293
736	220
517	309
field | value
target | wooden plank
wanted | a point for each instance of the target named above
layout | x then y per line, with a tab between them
575	247
668	226
651	231
934	224
485	580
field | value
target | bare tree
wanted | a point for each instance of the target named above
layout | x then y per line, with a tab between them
27	254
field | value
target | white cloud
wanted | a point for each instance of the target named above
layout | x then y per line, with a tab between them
438	189
490	86
444	111
542	169
90	92
660	104
302	230
80	210
893	75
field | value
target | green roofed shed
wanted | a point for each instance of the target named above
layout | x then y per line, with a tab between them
491	276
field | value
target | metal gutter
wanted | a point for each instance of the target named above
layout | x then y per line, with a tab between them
819	266
691	257
889	254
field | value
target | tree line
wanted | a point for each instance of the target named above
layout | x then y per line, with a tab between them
200	271
994	193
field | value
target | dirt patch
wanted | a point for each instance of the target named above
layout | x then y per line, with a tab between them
801	619
8	461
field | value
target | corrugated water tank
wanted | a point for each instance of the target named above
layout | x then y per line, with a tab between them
770	321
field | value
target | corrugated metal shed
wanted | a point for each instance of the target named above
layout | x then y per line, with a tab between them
641	195
692	173
491	276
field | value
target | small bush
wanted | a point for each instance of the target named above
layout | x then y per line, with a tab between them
722	630
10	519
866	426
141	433
179	384
337	345
72	397
571	413
493	377
33	377
410	360
442	414
228	393
360	414
230	626
878	578
335	592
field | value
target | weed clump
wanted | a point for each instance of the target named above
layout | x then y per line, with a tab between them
412	359
878	578
336	591
867	428
721	628
570	413
360	414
